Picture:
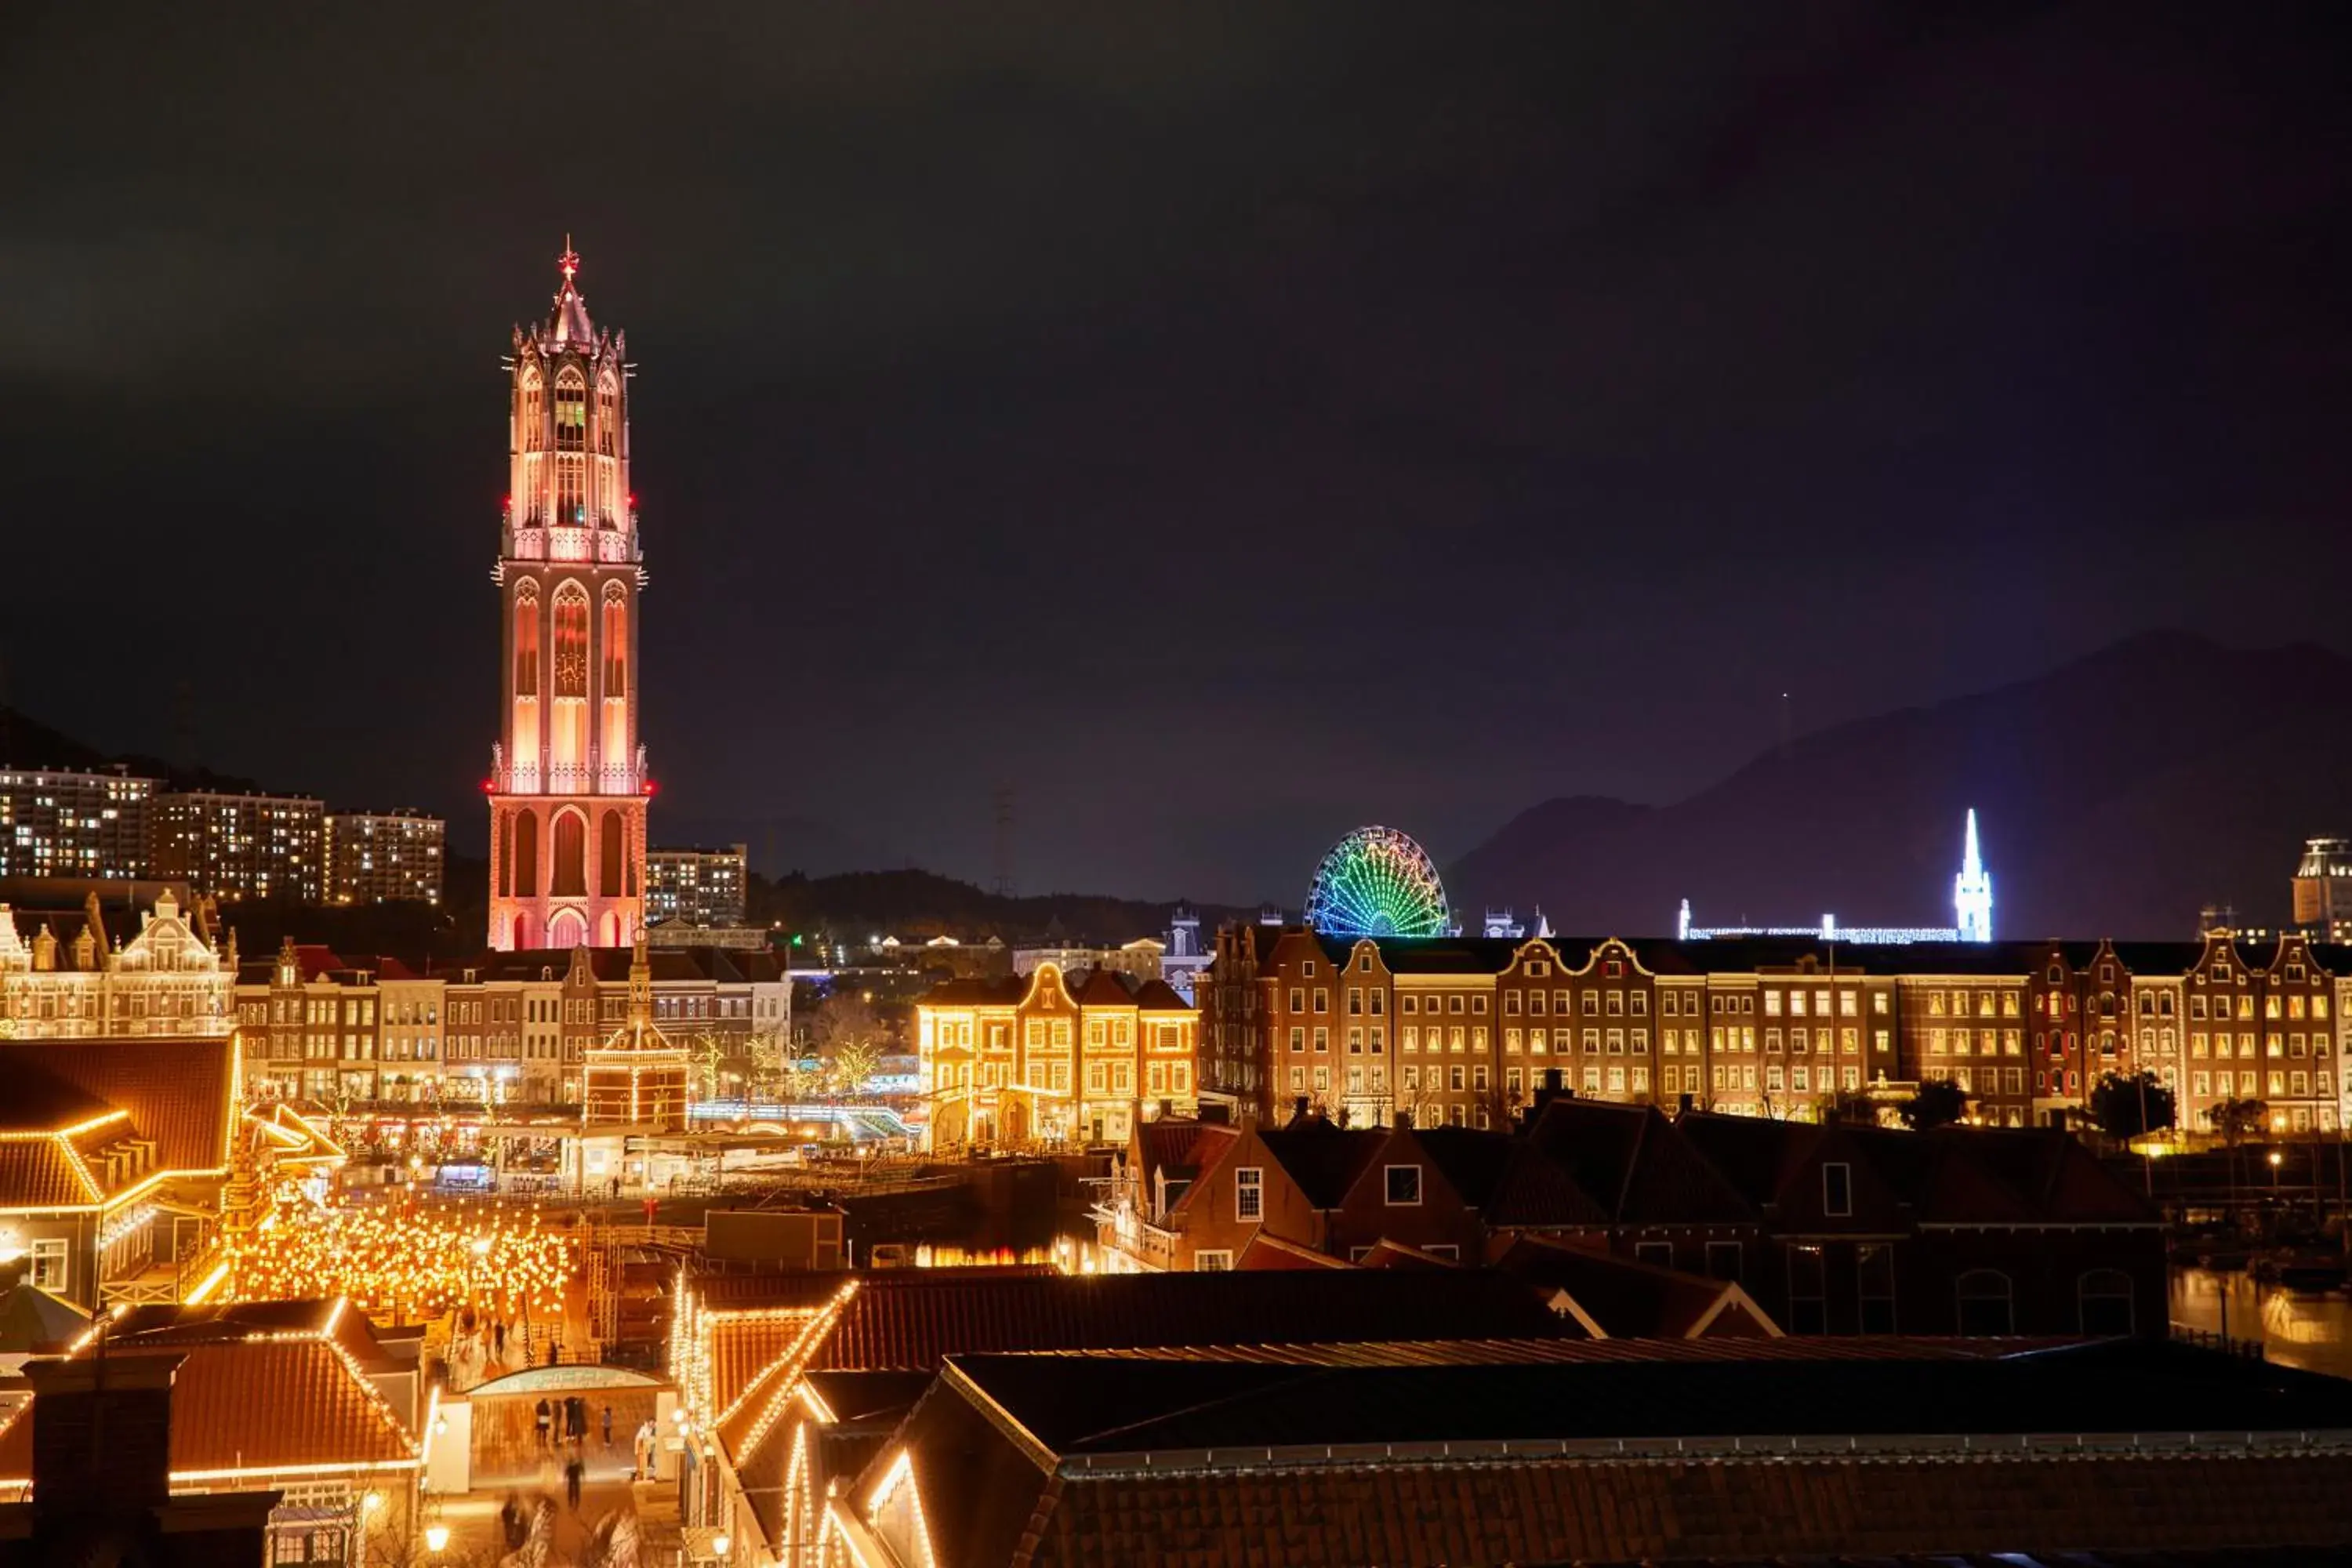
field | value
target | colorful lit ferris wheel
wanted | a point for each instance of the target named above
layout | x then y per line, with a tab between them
1377	882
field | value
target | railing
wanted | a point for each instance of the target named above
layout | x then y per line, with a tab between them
2212	1339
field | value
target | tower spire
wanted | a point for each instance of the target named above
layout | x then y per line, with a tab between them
1973	890
569	262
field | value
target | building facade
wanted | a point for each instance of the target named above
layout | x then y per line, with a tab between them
63	974
230	846
384	857
567	786
1461	1031
1054	1060
67	824
697	887
2323	889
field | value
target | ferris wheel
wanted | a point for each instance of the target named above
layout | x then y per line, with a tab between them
1378	882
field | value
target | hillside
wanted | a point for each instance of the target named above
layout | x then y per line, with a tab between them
914	906
2116	795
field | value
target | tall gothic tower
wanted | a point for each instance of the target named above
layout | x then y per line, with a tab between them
567	786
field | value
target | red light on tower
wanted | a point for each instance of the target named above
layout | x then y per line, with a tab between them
651	789
489	787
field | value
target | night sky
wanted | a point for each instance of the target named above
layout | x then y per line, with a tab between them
1221	425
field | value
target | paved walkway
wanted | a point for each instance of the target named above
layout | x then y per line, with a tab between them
474	1533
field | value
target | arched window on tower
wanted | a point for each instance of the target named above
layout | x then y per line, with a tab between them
522	759
530	417
571	442
615	682
568	878
612	856
608	416
505	854
568	738
526	856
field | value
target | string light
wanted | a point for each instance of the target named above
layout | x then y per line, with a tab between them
387	1260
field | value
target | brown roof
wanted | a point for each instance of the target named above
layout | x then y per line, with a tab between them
1622	1298
256	1404
1102	988
1324	1159
1159	996
1267	1251
42	1172
1119	1460
913	1321
176	1090
1691	1508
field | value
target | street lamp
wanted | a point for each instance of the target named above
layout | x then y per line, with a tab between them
436	1537
2277	1160
719	1545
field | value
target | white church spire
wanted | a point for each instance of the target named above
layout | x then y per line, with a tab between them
1973	890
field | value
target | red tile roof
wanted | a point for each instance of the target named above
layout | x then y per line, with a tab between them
912	1321
254	1405
41	1173
176	1090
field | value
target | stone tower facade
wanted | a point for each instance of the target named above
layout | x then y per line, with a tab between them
568	787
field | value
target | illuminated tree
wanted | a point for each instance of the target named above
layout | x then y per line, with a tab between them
1377	882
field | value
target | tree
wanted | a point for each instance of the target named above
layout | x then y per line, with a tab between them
851	1065
1938	1102
2127	1105
2238	1119
1851	1106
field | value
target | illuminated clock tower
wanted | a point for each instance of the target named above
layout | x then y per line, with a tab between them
567	786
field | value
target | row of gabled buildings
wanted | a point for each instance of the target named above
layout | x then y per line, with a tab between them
1829	1227
1052	1057
1462	1031
348	1029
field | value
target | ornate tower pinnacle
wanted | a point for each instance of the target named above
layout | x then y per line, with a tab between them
567	786
1973	890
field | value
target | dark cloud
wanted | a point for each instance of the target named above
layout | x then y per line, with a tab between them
1223	424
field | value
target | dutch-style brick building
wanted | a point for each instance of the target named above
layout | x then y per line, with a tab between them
1460	1031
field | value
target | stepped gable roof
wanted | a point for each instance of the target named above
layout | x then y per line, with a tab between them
1323	1160
1509	1182
912	1319
176	1090
1618	1298
1636	1165
1159	996
1043	1453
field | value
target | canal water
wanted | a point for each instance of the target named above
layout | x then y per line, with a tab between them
2297	1329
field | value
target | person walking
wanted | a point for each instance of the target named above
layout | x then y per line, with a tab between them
573	1470
544	1416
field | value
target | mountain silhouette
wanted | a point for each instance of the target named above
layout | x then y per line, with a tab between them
2116	795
